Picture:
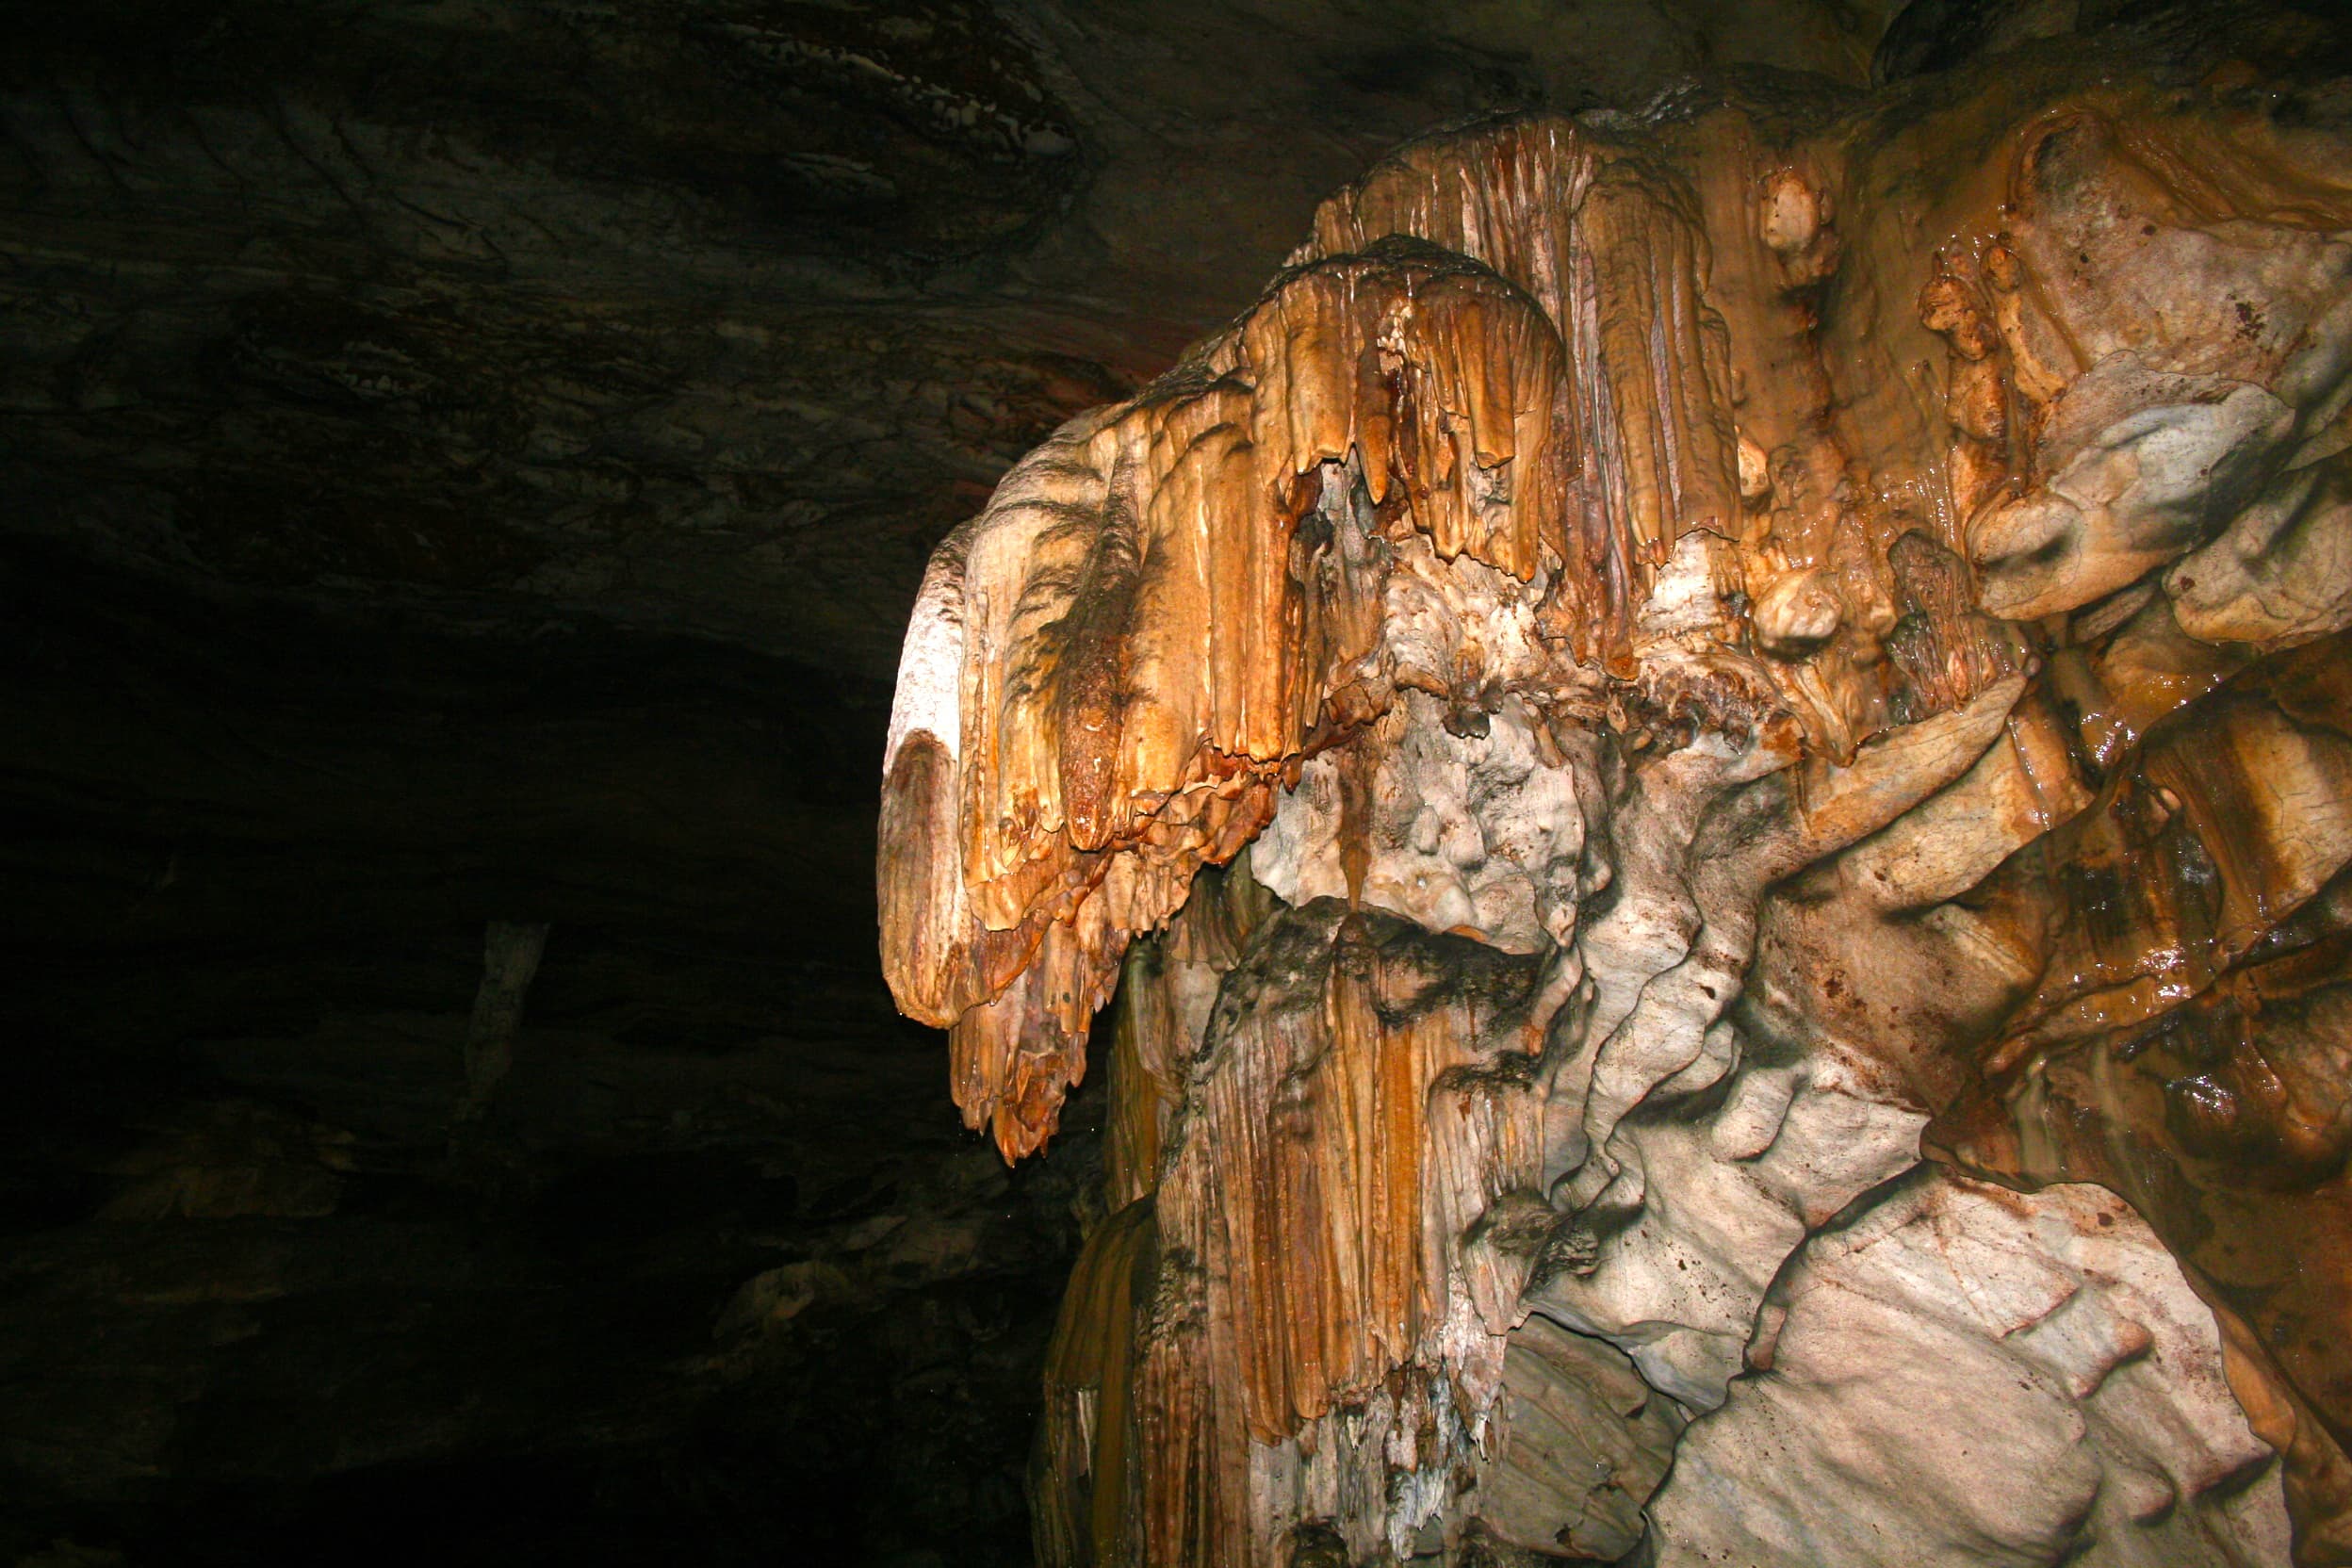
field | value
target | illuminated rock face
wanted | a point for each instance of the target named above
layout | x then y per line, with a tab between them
1671	668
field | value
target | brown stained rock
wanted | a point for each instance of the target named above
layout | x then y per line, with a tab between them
1086	1473
2184	1046
1729	635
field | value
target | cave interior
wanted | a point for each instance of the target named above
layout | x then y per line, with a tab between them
470	471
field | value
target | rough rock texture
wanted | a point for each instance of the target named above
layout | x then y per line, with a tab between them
1713	645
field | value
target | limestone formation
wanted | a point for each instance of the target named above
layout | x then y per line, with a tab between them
1695	719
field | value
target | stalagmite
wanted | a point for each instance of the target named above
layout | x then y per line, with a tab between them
1691	723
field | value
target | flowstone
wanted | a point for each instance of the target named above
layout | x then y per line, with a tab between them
1668	659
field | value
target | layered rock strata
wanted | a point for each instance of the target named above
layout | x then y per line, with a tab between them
1672	663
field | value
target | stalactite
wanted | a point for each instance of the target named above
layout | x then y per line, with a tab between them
1664	657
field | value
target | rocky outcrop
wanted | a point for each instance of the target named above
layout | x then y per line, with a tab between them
1713	646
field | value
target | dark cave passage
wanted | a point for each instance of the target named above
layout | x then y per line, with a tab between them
713	1272
718	1269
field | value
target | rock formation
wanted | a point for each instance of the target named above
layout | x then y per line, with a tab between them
1696	722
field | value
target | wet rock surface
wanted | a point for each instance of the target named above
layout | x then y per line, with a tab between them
1766	679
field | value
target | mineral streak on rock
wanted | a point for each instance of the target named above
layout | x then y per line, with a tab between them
1666	657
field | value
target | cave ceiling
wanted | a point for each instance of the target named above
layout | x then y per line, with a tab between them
714	314
381	335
